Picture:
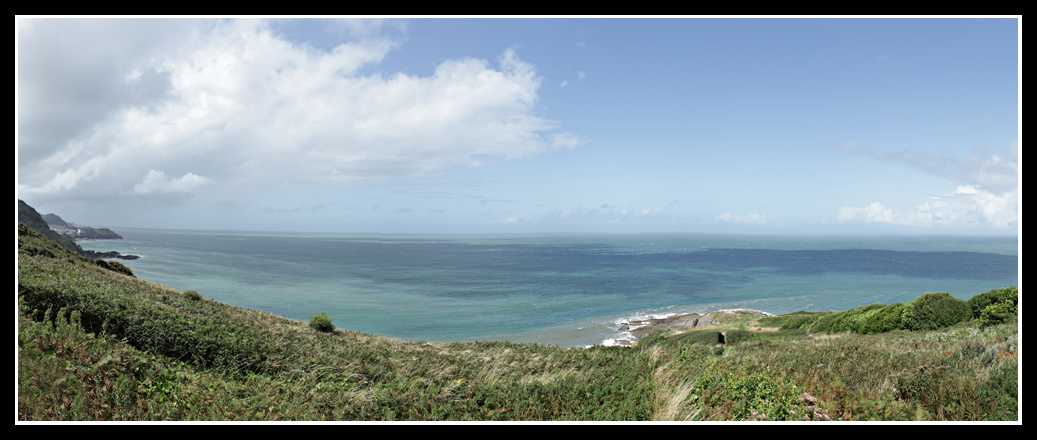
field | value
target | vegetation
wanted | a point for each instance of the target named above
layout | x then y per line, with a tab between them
322	323
31	218
44	237
96	344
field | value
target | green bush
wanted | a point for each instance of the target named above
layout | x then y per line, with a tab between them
937	310
792	321
981	301
887	319
850	320
322	323
193	295
116	266
1006	307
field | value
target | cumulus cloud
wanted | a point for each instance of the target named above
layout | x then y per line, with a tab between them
873	213
988	193
751	218
965	206
233	101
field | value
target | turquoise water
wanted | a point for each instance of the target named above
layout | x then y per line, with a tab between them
569	290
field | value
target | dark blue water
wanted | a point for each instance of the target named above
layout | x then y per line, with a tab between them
558	289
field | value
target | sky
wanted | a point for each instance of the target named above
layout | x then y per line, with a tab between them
523	125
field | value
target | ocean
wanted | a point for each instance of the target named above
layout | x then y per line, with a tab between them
569	290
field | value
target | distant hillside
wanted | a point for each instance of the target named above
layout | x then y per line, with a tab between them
28	215
33	220
54	221
77	232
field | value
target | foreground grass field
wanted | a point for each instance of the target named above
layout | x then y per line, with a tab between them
98	344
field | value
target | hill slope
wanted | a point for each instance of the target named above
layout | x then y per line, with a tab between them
28	215
99	345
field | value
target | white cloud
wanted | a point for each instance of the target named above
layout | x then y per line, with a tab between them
751	218
563	84
964	207
238	104
873	213
988	195
157	183
508	220
581	75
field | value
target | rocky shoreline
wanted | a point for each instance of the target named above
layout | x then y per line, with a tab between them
108	255
645	327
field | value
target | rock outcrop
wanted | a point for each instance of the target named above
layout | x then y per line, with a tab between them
676	322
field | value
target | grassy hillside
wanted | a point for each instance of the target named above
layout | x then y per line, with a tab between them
95	344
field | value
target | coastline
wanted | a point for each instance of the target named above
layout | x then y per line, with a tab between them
640	328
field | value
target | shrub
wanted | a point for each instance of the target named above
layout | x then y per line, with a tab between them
1007	304
193	295
885	320
981	301
322	323
793	321
850	320
116	266
936	310
113	266
1004	309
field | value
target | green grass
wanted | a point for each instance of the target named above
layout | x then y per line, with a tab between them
96	344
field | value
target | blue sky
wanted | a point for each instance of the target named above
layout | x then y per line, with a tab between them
518	125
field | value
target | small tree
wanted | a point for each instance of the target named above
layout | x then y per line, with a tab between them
322	323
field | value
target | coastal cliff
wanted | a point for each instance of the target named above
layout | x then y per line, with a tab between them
40	223
78	232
